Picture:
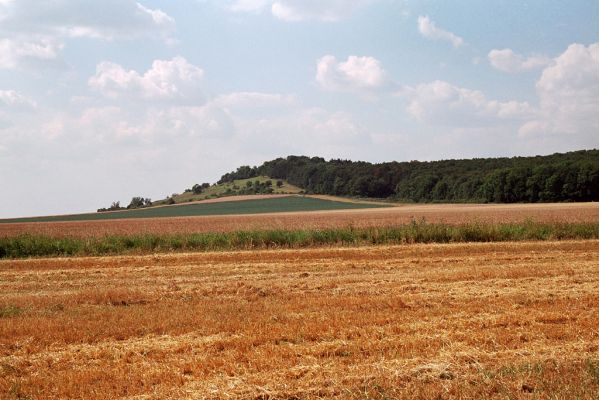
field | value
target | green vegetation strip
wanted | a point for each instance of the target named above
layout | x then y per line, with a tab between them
416	232
258	206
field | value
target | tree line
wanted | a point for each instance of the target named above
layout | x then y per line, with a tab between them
136	202
572	176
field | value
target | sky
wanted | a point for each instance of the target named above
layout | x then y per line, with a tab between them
105	100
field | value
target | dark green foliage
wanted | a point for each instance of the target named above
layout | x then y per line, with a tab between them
139	202
243	172
559	177
115	206
198	189
415	232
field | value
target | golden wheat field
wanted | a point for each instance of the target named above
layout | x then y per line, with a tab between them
375	217
470	321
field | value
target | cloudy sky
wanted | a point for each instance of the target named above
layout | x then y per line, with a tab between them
105	100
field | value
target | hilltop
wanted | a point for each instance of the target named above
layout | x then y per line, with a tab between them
560	177
257	186
572	176
235	187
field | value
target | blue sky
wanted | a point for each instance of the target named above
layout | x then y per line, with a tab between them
102	101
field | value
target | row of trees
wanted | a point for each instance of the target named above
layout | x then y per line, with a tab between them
571	176
136	202
198	189
253	187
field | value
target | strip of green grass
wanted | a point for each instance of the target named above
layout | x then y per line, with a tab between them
258	206
416	232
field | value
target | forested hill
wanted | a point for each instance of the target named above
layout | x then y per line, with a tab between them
571	176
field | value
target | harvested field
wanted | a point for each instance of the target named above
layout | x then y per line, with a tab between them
447	213
492	320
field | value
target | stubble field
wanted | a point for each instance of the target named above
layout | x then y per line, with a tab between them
489	320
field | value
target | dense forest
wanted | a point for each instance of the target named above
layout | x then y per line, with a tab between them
571	176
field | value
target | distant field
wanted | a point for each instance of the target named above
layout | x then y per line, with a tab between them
334	218
465	321
258	206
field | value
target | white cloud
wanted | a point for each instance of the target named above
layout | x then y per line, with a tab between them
160	18
331	10
569	95
253	99
249	5
15	51
31	29
300	10
107	19
357	73
440	103
228	120
220	119
176	78
111	125
312	131
507	61
330	127
11	98
430	30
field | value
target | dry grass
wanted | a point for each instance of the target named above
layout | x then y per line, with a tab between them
379	217
509	320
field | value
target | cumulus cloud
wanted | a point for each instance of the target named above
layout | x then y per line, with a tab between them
569	95
441	103
507	61
357	73
13	99
16	51
166	79
330	127
301	131
38	30
153	126
299	10
430	30
107	19
157	124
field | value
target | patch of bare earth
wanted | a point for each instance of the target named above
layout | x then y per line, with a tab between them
498	320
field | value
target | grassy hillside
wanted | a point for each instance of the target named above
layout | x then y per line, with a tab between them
259	206
232	188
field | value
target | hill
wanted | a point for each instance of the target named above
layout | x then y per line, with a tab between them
253	205
572	176
235	187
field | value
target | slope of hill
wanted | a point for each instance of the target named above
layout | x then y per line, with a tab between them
570	176
261	205
236	187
